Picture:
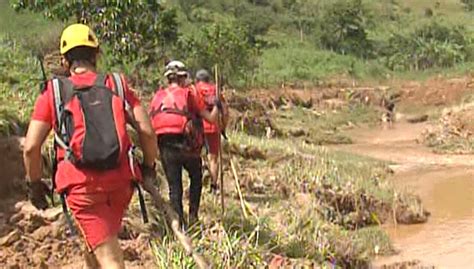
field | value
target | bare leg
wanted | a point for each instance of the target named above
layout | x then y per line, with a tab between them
109	254
90	262
213	168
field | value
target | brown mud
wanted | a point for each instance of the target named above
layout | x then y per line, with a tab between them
445	183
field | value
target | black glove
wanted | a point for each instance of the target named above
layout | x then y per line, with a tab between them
149	178
218	103
37	192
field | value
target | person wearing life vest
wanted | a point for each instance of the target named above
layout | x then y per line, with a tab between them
176	113
88	112
212	131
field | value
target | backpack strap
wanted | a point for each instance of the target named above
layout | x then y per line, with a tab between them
174	110
61	87
119	89
61	138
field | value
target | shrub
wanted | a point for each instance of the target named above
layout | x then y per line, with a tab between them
431	45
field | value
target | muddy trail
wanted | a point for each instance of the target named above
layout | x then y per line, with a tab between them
445	183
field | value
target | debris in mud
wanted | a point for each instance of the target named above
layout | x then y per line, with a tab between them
417	118
246	151
352	208
454	133
10	238
414	264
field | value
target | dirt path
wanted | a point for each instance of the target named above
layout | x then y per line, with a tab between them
445	183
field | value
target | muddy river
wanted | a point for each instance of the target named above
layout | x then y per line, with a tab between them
445	183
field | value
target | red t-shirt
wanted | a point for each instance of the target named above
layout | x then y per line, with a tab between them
208	94
69	177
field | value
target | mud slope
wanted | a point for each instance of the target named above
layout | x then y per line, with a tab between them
445	183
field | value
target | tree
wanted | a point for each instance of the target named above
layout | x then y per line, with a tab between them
469	4
344	28
304	14
129	28
226	44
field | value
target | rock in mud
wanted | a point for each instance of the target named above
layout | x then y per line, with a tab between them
41	233
130	254
297	132
14	266
10	238
16	218
417	118
25	207
52	214
34	222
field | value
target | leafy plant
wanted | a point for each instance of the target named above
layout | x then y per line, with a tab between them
431	45
129	28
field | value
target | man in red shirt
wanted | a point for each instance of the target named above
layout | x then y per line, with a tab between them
97	197
212	130
176	113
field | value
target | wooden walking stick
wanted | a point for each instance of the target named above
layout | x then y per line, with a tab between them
220	174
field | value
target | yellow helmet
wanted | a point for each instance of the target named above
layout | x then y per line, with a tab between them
76	35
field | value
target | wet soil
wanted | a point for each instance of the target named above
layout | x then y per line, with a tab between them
445	184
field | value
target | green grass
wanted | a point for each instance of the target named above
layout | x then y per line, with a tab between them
20	79
295	62
35	33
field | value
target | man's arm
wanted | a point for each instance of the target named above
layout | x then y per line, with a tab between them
146	135
37	133
212	116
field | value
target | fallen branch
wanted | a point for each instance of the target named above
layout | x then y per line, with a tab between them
243	204
173	219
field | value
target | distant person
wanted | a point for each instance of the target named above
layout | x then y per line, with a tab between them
177	112
212	130
88	112
388	116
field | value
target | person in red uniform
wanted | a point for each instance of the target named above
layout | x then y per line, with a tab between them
212	130
176	114
96	196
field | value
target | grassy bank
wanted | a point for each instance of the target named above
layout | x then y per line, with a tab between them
301	203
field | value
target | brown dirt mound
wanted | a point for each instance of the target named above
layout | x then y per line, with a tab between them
437	91
11	167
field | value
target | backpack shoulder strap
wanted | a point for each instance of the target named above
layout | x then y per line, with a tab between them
63	90
100	80
119	89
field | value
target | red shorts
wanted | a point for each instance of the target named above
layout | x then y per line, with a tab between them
213	142
99	215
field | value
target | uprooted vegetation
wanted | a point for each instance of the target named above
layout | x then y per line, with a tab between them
316	116
453	133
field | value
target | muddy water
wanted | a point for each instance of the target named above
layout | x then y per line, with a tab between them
445	184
